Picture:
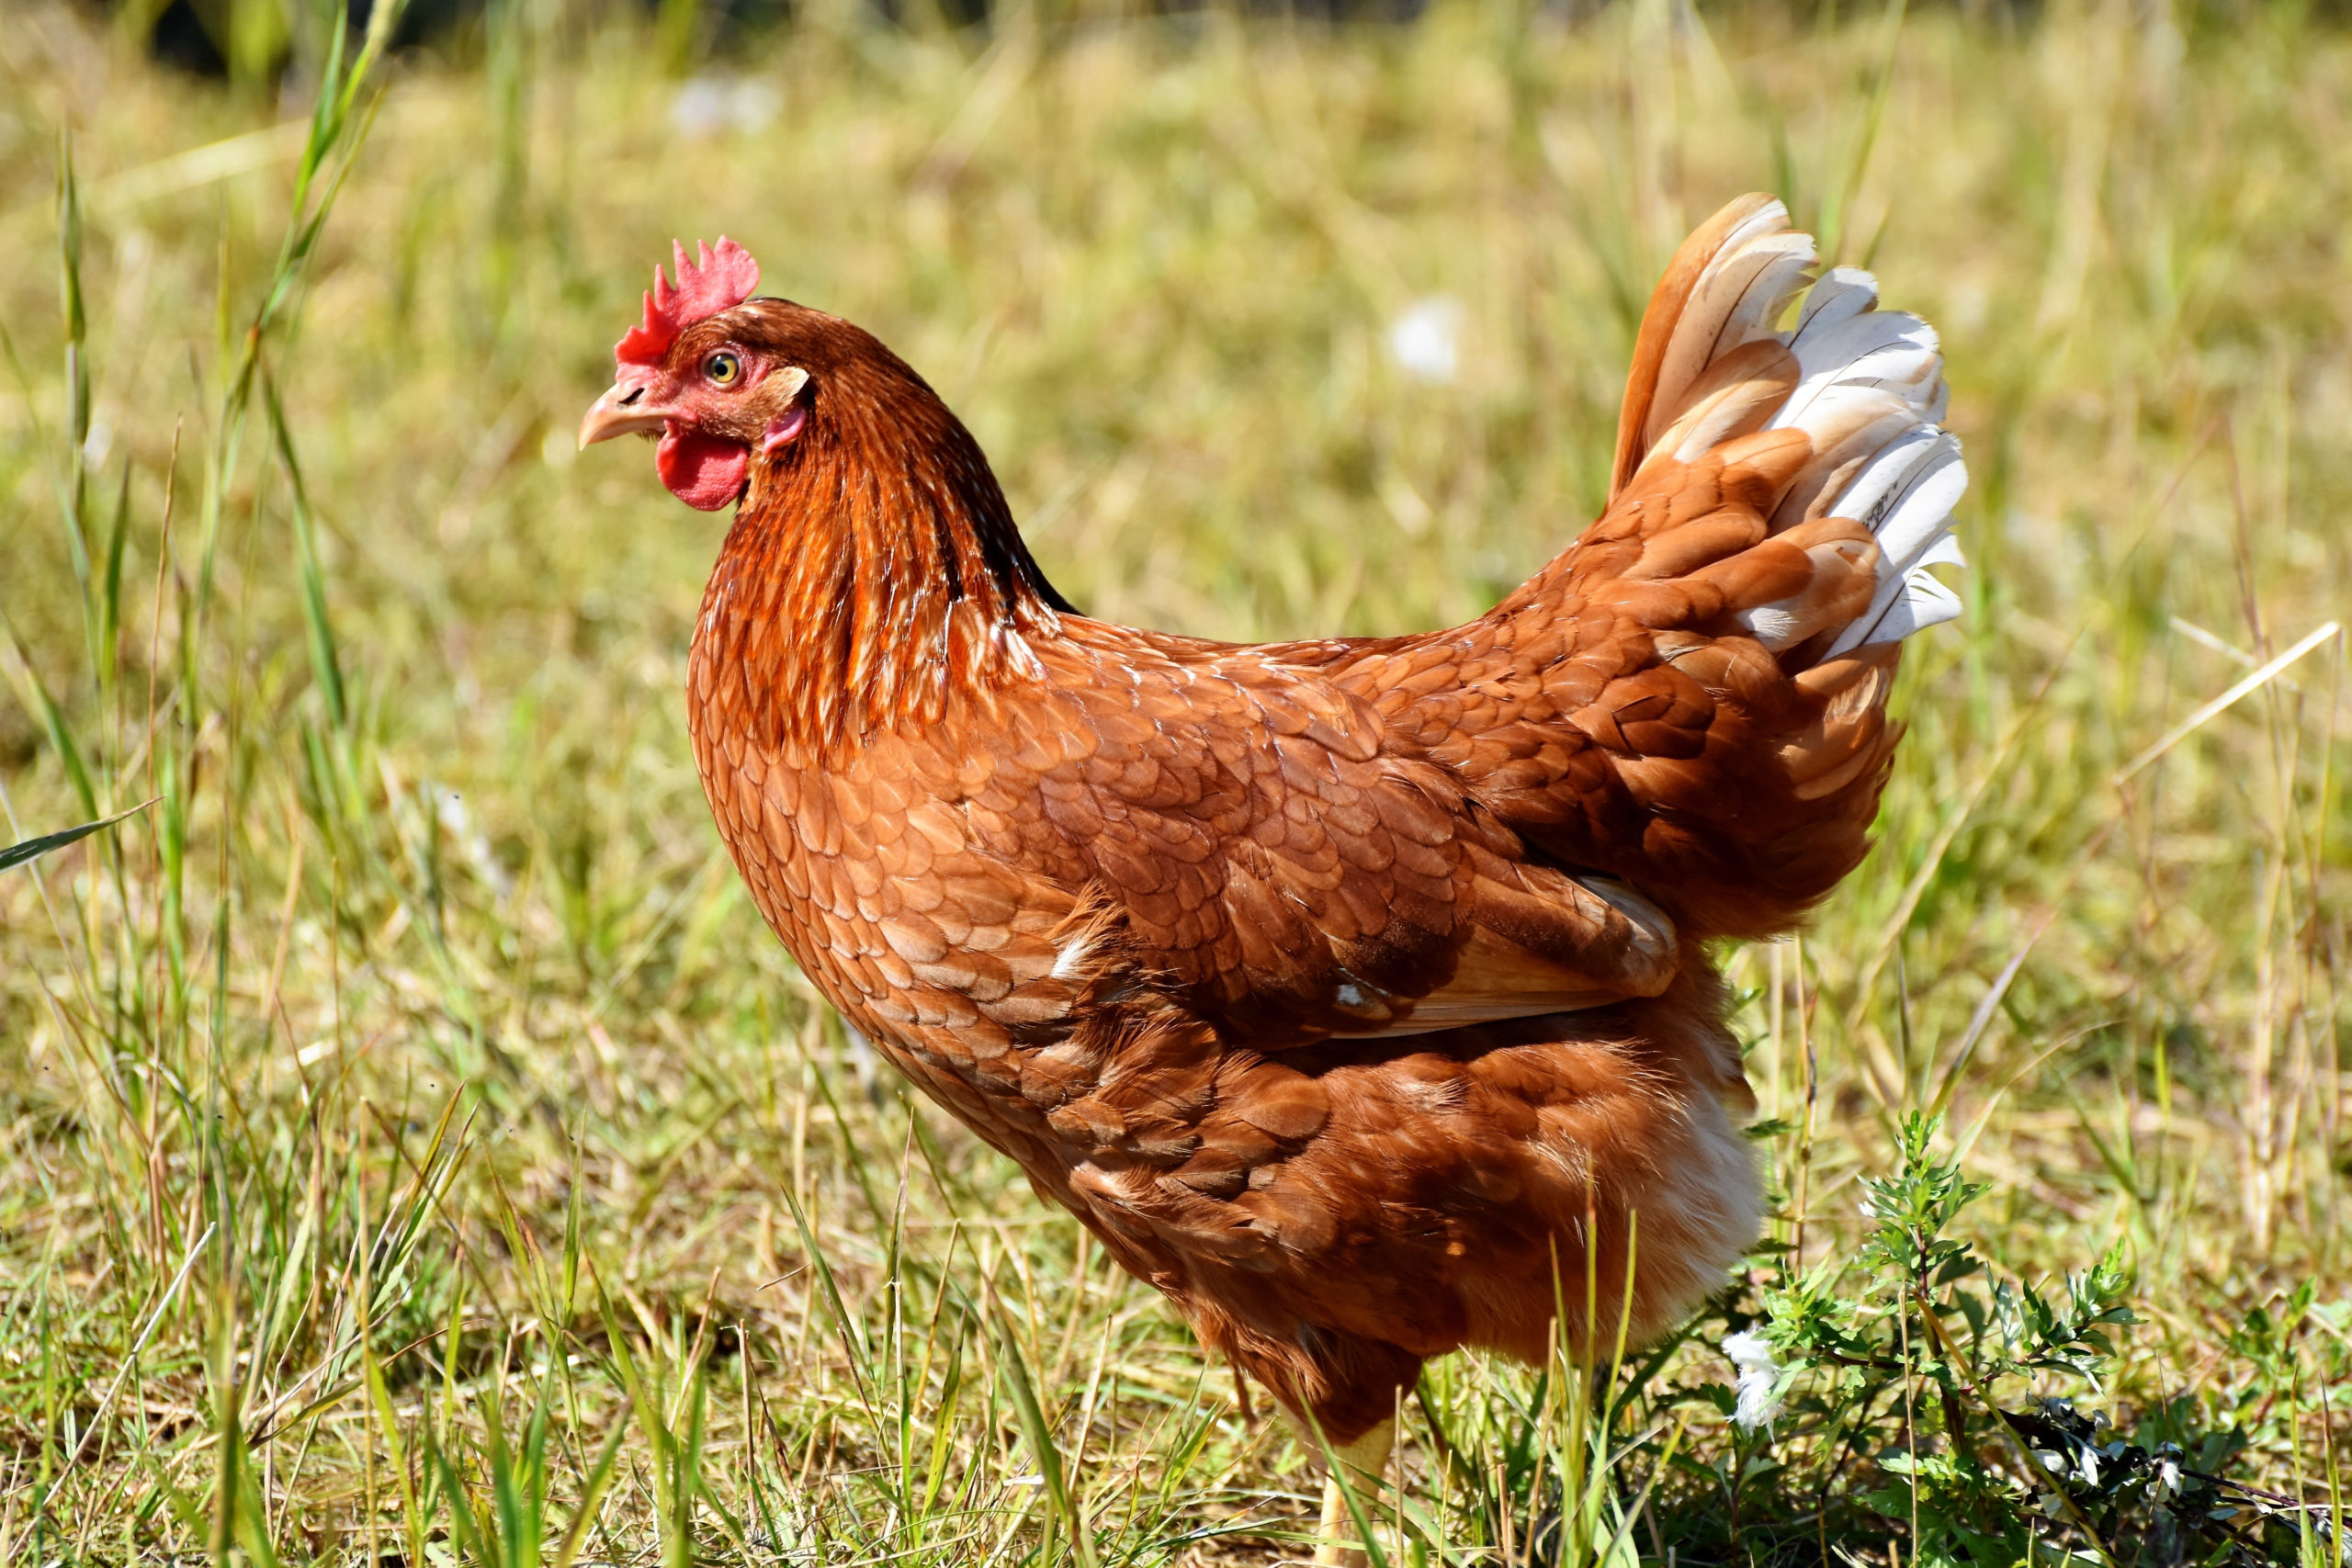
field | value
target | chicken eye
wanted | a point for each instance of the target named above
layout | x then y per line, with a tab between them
723	368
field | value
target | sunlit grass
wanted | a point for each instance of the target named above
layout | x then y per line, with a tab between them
417	1149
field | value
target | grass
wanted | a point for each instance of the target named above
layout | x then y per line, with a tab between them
419	1153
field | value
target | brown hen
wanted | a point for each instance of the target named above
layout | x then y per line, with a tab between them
1354	993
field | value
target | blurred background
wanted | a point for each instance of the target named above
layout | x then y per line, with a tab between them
418	1148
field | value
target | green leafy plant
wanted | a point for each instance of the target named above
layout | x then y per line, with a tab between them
1929	1375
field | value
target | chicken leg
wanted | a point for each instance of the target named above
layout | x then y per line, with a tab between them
1365	1461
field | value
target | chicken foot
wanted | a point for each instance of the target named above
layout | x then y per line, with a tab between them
1366	1459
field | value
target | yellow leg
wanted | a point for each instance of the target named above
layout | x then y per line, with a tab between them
1364	1460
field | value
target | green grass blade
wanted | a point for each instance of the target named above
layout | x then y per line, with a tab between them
33	849
1039	1433
326	663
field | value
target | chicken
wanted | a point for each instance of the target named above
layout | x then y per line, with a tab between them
1356	993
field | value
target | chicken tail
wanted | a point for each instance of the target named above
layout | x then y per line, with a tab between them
1782	486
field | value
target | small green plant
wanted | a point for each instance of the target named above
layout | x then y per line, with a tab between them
1931	1377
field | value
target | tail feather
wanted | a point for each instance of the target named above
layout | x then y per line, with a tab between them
1737	396
1865	387
1647	382
1737	299
1905	497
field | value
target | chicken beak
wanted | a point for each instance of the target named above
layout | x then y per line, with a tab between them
624	410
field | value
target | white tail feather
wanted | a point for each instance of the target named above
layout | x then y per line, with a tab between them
1843	293
1870	391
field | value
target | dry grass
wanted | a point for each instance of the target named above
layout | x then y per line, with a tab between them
419	1058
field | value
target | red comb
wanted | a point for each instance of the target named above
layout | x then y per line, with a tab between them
723	279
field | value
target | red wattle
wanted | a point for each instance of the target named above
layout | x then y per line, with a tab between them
703	471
